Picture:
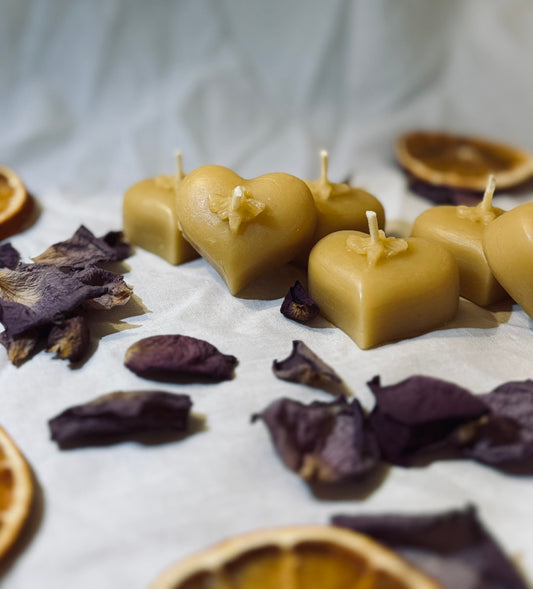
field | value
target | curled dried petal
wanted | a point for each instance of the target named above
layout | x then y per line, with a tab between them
452	546
9	256
324	442
163	357
117	291
298	305
120	413
117	242
21	347
34	295
305	367
69	339
505	436
439	194
420	414
83	249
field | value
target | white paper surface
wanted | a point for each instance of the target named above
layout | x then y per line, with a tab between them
99	95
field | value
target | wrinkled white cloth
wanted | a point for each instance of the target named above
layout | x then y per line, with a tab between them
97	95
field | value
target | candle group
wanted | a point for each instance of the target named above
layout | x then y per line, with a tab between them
376	288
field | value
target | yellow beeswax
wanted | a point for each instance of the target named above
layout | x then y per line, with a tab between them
244	228
460	230
150	219
379	289
341	206
508	245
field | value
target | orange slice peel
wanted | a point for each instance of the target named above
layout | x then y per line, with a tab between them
16	492
307	556
16	204
462	162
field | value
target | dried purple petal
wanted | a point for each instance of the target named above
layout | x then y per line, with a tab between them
305	367
326	442
420	414
120	413
34	295
442	194
163	357
84	249
69	339
117	291
298	305
453	547
116	241
9	256
505	436
20	348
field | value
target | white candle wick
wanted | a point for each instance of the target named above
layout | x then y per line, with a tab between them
238	193
373	226
486	203
324	173
179	167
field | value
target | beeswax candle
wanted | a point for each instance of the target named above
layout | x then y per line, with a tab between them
245	227
460	230
150	219
508	245
379	289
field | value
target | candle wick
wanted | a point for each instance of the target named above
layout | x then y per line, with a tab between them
486	203
373	226
324	173
179	167
238	193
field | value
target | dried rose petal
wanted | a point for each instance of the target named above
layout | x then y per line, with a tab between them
298	305
326	442
116	241
34	295
20	348
120	413
163	357
84	249
304	366
117	291
420	414
453	547
505	436
442	194
9	256
69	339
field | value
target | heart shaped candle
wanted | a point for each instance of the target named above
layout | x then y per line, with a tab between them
341	206
245	227
150	220
460	230
378	289
508	245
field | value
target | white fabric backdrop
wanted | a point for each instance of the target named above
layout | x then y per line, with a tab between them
97	95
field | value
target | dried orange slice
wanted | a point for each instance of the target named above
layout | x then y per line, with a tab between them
16	492
16	204
462	162
300	557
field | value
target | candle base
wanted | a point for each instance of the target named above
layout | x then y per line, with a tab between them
399	297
